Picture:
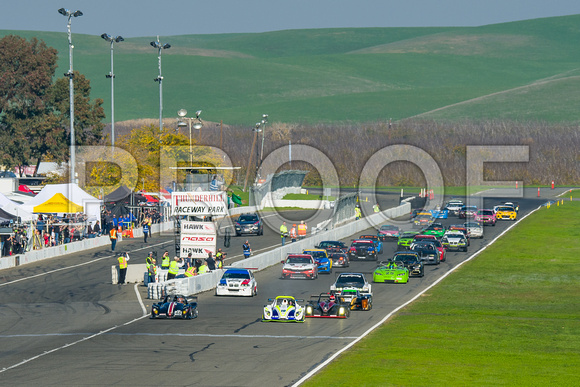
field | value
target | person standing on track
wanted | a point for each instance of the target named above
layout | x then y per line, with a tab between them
145	232
247	249
113	238
302	227
293	235
283	232
151	269
123	258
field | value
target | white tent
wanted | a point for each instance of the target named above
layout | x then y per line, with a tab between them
92	205
14	208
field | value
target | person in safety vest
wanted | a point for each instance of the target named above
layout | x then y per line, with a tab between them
283	232
357	213
202	268
165	261
123	258
151	269
302	227
113	238
219	259
293	235
173	269
376	208
191	271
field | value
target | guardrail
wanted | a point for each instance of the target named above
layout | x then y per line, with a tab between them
208	281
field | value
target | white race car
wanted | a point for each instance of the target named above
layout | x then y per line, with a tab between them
237	282
351	281
283	309
474	229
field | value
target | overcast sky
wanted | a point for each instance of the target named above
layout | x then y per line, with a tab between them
132	18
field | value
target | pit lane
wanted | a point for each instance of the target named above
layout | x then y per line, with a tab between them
226	345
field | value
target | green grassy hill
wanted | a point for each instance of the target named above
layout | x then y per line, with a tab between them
520	70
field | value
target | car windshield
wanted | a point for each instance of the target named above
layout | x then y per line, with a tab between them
236	274
316	254
337	255
248	218
287	301
406	258
388	227
408	235
472	225
505	209
298	260
362	244
327	244
350	280
423	246
485	212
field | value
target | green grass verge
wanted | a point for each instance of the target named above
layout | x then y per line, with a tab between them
509	317
575	194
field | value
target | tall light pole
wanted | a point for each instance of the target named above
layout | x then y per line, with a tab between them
111	75
198	124
256	131
70	75
263	122
159	79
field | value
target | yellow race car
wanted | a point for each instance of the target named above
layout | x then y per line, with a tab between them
505	213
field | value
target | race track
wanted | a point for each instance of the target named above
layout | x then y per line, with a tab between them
63	323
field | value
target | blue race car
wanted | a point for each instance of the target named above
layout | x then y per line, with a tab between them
175	307
283	309
376	240
322	260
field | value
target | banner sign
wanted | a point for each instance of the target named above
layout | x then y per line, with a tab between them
198	240
199	203
197	251
205	228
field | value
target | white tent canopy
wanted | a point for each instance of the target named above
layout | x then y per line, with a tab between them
92	205
15	208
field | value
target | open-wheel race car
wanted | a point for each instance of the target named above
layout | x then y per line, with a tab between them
327	305
283	309
175	306
355	299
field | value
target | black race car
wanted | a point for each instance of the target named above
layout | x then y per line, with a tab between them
363	249
327	305
332	245
175	306
412	261
427	251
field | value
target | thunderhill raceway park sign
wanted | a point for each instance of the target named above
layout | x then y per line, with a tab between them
199	203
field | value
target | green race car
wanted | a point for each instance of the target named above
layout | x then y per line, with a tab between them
436	229
405	240
391	272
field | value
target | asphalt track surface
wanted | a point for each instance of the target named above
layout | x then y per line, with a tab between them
62	322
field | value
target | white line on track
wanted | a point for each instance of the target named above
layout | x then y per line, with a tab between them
334	356
182	335
69	345
72	267
140	300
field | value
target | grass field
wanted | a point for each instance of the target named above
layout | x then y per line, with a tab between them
342	75
509	317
